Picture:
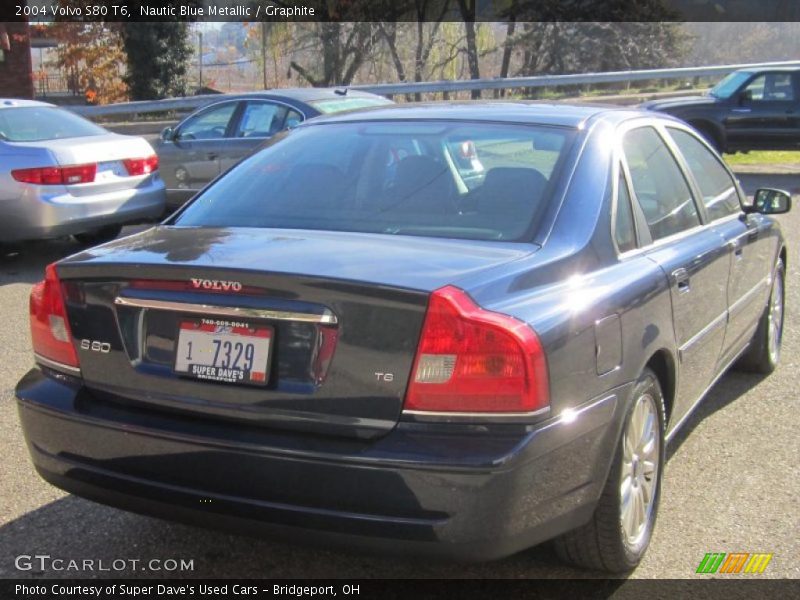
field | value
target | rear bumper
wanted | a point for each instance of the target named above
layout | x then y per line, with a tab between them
463	492
39	213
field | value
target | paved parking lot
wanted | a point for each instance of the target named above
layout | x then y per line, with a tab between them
730	486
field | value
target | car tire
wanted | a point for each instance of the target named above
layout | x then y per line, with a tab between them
764	351
98	236
618	534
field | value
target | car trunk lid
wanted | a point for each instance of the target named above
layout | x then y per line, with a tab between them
107	151
343	313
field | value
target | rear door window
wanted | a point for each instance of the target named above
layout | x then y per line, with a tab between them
293	119
658	184
261	120
717	186
771	87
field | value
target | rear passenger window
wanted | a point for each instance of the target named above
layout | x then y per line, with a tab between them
716	184
624	232
261	120
771	87
658	183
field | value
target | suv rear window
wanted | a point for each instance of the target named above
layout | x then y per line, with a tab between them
429	178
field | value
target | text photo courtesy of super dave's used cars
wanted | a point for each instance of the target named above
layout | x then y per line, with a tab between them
451	330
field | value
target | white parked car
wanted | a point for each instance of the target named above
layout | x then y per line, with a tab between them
63	175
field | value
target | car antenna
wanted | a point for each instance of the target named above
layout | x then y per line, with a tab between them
341	91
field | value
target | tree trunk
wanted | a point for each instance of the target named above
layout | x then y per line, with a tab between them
507	48
391	42
467	13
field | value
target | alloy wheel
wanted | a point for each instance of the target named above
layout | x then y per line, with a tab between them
639	473
775	319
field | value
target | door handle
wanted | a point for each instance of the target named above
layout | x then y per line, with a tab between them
212	156
681	279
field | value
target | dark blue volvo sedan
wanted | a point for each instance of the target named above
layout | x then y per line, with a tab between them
454	329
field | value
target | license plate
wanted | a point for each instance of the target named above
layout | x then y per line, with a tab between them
110	170
224	351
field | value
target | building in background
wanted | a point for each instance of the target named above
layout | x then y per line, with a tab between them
16	70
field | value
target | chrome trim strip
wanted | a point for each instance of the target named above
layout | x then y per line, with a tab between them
52	364
703	332
747	296
476	416
326	318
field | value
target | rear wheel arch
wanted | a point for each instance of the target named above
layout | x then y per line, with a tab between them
605	542
663	365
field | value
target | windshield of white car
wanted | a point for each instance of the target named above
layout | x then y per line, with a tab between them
729	84
465	180
39	123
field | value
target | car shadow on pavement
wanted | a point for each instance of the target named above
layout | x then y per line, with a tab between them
730	388
72	528
25	262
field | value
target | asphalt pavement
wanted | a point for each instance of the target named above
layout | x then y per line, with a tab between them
731	482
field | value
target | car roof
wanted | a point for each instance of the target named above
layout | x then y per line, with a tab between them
18	102
556	114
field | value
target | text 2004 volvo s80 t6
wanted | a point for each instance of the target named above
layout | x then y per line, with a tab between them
348	338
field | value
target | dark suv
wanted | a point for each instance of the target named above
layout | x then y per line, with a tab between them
747	110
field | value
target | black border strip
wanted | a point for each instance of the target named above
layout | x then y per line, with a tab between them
400	10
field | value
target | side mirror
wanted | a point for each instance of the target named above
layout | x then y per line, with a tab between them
168	134
769	201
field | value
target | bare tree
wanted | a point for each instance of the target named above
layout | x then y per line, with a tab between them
344	47
467	9
508	48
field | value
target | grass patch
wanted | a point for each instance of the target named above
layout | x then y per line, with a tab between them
764	157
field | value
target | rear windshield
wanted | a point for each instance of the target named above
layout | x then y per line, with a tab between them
334	105
438	179
38	123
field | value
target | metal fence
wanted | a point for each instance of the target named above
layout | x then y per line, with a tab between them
509	83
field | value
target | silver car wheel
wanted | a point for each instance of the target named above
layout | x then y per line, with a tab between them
775	319
639	474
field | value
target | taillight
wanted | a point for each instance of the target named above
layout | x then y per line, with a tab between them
476	361
68	175
50	331
141	166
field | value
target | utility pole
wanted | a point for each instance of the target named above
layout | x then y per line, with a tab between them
200	35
